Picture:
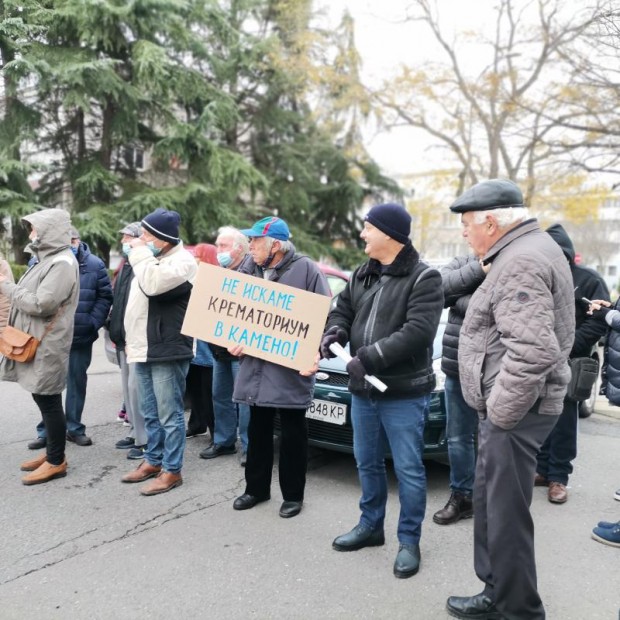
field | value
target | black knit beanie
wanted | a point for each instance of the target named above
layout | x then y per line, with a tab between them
391	219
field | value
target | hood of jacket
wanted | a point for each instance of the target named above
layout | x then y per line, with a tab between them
560	236
53	228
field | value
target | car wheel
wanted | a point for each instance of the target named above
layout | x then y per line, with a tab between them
586	407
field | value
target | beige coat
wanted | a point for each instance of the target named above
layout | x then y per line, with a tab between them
49	286
5	302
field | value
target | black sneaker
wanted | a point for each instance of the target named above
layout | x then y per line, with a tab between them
124	444
38	444
217	450
136	453
80	440
193	433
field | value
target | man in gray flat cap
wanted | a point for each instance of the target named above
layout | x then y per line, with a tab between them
513	364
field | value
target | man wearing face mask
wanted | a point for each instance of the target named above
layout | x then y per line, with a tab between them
163	274
92	310
135	442
232	253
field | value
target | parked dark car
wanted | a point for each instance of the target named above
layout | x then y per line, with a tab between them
329	416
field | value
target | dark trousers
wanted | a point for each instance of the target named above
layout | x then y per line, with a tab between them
504	556
77	378
55	424
560	448
199	384
293	453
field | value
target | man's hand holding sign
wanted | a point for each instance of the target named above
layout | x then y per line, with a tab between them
250	316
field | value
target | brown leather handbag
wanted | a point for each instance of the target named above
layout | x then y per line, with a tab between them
18	345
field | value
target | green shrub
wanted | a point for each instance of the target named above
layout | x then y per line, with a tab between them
18	270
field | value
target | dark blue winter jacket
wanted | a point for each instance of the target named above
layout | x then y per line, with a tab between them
95	298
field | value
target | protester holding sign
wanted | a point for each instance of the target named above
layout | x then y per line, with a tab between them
269	388
389	312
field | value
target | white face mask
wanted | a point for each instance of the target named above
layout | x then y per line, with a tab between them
224	259
154	249
126	249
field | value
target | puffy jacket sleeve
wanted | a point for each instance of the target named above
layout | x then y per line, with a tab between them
460	278
103	300
523	308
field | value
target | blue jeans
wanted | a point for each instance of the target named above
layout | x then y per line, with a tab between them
461	430
161	386
77	377
401	422
228	415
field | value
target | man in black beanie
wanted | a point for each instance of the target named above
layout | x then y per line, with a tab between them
163	274
388	312
513	349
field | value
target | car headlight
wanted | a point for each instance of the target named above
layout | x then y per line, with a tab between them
439	374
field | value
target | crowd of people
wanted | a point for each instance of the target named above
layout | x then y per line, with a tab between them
520	312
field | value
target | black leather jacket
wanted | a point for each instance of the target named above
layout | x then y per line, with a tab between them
392	332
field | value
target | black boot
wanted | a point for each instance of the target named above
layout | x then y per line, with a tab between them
459	506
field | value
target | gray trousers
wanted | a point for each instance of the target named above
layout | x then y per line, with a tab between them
504	556
130	396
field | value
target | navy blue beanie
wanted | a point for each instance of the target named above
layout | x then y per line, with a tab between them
164	225
391	219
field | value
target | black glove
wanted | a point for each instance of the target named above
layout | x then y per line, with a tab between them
356	369
333	334
601	313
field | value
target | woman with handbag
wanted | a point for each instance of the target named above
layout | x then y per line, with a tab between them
43	305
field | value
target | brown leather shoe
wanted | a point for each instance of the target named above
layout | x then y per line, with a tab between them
34	463
45	472
557	493
143	472
164	482
540	481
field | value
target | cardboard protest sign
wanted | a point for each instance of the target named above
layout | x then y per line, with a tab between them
272	321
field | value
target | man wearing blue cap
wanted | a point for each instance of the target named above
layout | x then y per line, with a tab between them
158	297
269	388
388	312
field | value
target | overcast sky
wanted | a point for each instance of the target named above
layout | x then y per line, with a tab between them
385	41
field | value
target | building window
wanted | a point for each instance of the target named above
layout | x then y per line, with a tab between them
612	270
133	157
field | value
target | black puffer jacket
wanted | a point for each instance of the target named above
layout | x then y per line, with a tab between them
460	278
392	333
587	283
610	375
122	284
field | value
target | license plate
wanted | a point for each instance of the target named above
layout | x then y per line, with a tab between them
326	411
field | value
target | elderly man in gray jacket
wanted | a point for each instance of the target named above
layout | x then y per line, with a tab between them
513	363
269	388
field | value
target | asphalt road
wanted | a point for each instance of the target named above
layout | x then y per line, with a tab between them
87	546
